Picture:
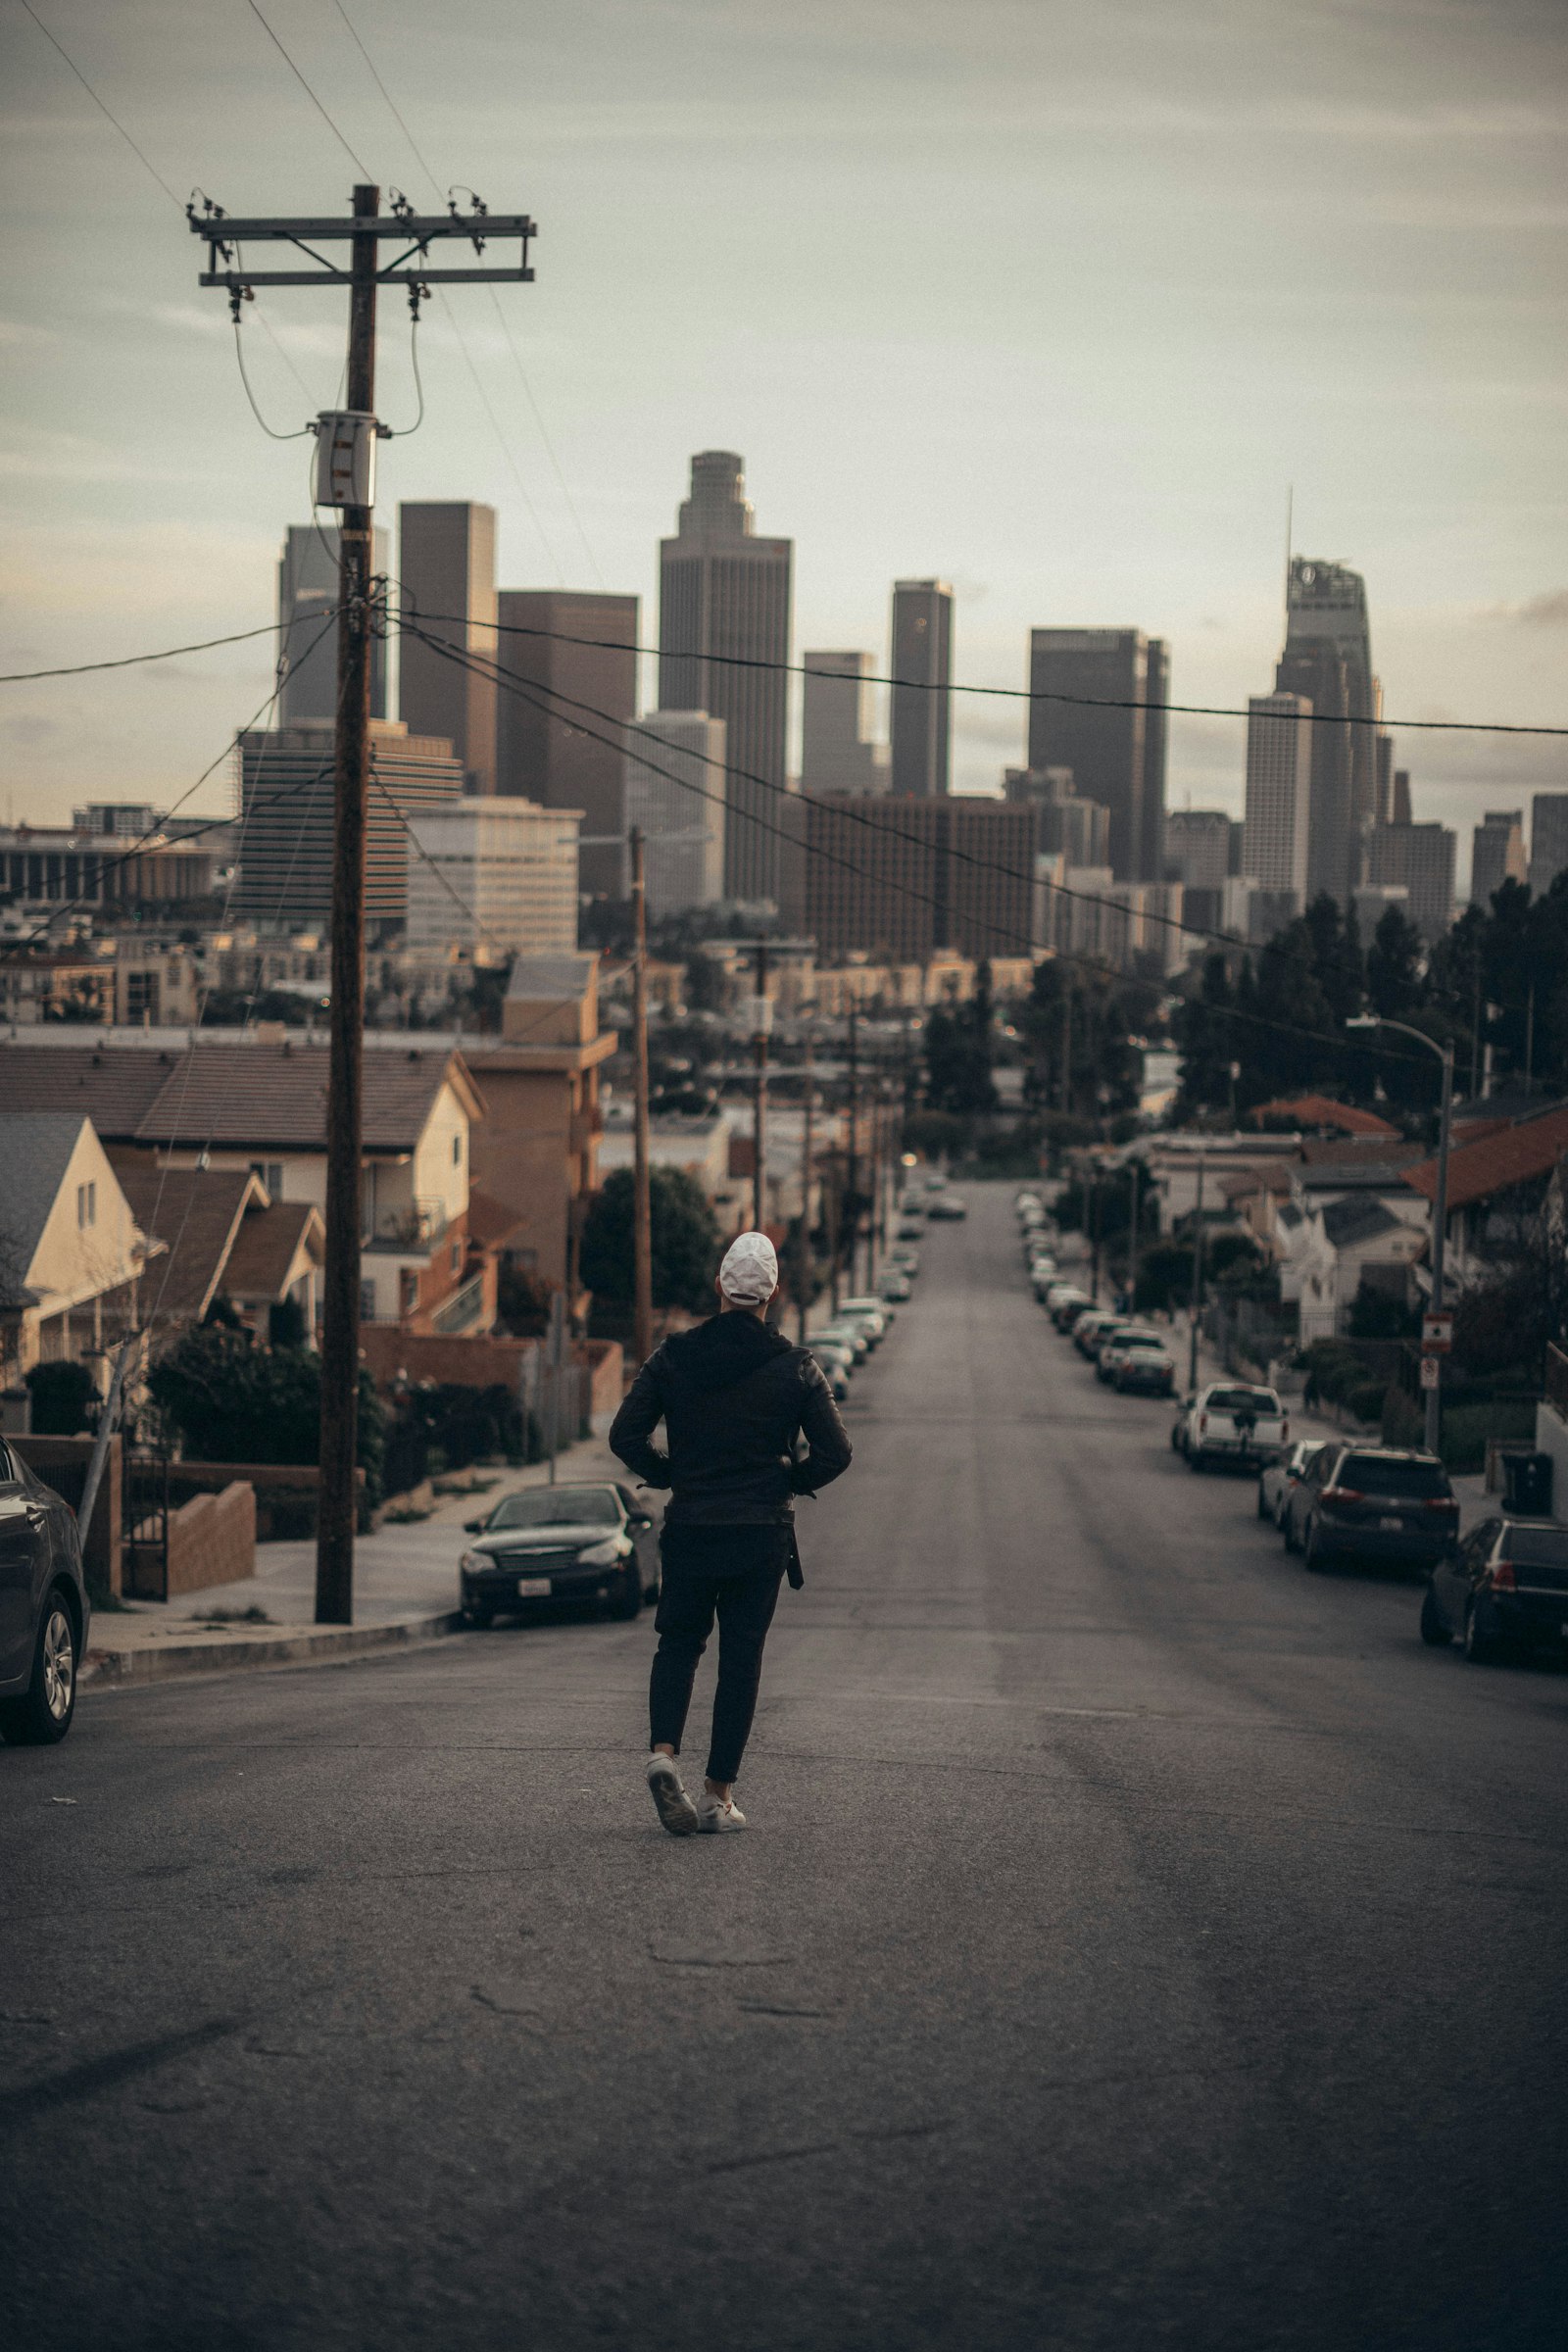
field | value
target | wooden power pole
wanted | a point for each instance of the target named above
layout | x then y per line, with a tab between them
642	1202
345	476
805	1255
760	1104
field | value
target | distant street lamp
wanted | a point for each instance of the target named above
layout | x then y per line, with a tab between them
1440	1198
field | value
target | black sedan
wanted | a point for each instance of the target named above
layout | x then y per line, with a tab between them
1503	1591
1377	1505
43	1607
593	1544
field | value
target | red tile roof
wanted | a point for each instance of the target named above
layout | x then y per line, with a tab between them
1320	1110
1478	1170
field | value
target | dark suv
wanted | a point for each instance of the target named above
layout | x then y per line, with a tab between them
1503	1591
43	1606
1371	1503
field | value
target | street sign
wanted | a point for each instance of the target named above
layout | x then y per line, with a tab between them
1431	1371
1436	1334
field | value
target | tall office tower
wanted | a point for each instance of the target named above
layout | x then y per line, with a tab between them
562	746
1549	840
1156	737
1419	858
1197	847
838	750
922	699
907	878
724	592
285	872
1278	790
1066	825
1497	853
1103	729
1383	812
493	873
307	592
1399	803
673	767
447	562
1328	659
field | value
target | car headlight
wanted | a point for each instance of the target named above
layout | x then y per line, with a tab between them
472	1562
603	1556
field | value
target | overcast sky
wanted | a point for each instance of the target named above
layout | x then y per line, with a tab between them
1055	300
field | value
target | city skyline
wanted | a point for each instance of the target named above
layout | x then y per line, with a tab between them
1191	294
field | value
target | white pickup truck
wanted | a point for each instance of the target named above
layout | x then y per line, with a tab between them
1231	1422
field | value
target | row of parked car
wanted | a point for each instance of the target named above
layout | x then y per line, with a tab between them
1499	1591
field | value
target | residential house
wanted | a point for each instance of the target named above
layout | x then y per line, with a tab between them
225	1239
71	1250
1497	1187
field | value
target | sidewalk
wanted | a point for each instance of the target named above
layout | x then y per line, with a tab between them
405	1589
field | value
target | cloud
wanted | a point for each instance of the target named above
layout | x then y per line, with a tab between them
1546	611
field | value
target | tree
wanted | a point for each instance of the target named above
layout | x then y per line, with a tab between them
685	1240
230	1401
1394	976
958	1054
60	1395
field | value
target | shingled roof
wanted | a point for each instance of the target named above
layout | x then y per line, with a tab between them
196	1212
266	1246
1499	1162
35	1148
226	1093
1321	1111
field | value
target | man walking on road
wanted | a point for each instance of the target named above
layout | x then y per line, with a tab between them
734	1397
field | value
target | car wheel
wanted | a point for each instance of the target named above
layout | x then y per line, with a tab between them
1434	1632
42	1714
1287	1530
1194	1461
1318	1555
629	1601
1482	1649
1262	1506
1175	1438
479	1619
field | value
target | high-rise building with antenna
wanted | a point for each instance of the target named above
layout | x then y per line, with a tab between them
1328	660
724	648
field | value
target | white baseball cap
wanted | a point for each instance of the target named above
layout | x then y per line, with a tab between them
749	1271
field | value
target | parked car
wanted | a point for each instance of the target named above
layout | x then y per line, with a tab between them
1072	1303
1378	1503
1140	1364
1089	1328
911	1227
834	1371
947	1205
1230	1421
874	1313
1115	1336
1276	1478
835	1354
560	1544
906	1259
847	1334
44	1612
1503	1591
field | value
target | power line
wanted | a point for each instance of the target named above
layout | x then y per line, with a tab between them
1029	694
271	431
149	168
363	168
166	653
522	690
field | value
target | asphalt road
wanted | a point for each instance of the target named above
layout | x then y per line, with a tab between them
1140	1943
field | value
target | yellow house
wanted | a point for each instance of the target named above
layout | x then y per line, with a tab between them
71	1250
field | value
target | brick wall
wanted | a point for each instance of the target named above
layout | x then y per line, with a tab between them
212	1539
478	1362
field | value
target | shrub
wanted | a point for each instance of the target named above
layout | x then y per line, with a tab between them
1365	1399
60	1395
228	1401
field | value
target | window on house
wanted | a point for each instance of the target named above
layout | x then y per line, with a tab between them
457	1255
86	1204
456	1150
366	1303
408	1291
270	1172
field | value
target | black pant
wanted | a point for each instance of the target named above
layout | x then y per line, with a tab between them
698	1584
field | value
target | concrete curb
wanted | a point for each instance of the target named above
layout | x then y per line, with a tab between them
162	1661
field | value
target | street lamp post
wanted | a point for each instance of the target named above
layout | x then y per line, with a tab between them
1440	1198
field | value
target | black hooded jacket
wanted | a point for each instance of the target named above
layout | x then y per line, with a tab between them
733	1396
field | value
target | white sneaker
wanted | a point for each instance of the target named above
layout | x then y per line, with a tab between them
670	1801
716	1814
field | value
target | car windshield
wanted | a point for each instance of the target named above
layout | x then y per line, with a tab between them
1377	1474
1535	1546
558	1507
1243	1401
1140	1339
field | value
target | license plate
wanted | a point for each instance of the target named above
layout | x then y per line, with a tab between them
533	1587
1392	1525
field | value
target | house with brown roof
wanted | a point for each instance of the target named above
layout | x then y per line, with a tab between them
1496	1185
71	1251
1307	1112
223	1239
240	1102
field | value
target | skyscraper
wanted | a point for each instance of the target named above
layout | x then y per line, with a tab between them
674	761
561	743
448	564
839	752
1278	790
1497	853
1197	847
1094	692
286	870
1421	859
1549	840
723	592
307	592
922	701
1328	659
909	877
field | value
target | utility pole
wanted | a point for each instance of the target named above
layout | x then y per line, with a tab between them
1439	1236
642	1247
804	1254
853	1187
1093	1232
1067	1045
345	478
1198	1278
759	1105
1132	1243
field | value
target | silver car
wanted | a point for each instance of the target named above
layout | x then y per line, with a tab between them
1276	1479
